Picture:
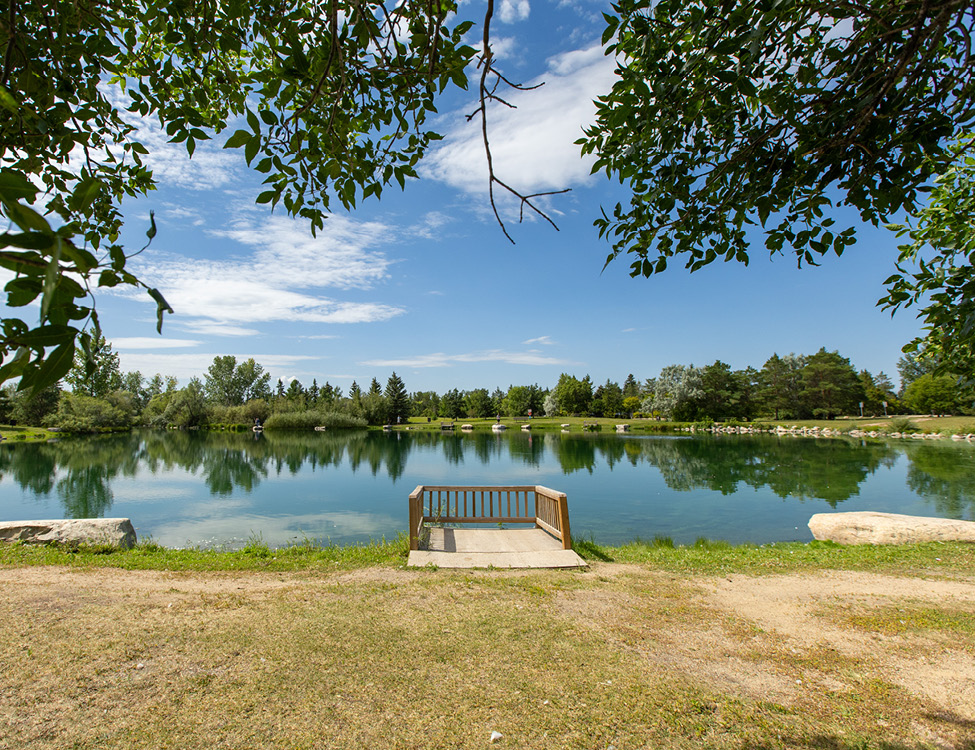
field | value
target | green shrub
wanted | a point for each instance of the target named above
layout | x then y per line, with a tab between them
312	418
902	424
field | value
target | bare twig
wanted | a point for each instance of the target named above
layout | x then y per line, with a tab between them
488	93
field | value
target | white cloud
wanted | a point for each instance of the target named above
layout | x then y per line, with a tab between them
514	10
186	366
279	281
547	340
146	342
533	146
439	359
209	327
211	166
428	228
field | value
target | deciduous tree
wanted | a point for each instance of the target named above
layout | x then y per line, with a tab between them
736	118
96	370
334	97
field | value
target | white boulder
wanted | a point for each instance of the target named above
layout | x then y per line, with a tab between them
117	532
869	527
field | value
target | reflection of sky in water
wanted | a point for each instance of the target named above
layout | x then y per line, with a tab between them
198	490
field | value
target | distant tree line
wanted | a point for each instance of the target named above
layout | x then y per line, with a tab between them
96	395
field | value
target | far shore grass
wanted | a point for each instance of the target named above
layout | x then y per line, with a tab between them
920	422
924	423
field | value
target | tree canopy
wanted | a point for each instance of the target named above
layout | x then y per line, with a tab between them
738	115
335	95
725	118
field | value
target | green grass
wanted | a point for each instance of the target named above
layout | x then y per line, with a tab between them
717	557
314	647
18	433
255	556
704	557
957	625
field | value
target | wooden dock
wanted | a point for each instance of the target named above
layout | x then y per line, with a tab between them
441	518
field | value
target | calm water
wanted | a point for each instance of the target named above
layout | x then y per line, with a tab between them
190	488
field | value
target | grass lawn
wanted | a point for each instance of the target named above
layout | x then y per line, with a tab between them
712	645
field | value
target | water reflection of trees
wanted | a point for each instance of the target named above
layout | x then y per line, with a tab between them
830	470
944	475
80	471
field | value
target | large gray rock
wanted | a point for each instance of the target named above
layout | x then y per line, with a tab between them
117	532
867	527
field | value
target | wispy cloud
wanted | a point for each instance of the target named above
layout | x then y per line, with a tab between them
533	145
279	280
430	225
211	166
146	342
547	340
440	359
186	366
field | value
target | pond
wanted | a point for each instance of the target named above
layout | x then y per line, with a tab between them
224	489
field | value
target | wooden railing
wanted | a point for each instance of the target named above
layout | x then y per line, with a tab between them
547	509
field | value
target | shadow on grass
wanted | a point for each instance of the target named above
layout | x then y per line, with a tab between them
587	549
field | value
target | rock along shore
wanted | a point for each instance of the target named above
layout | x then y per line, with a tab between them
117	532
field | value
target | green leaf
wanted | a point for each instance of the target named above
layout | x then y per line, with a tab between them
22	291
7	101
251	149
53	367
254	123
50	335
51	278
84	194
161	306
238	139
26	218
14	186
28	240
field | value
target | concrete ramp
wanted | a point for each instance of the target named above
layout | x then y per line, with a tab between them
494	548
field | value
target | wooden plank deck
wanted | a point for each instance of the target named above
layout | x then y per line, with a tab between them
497	548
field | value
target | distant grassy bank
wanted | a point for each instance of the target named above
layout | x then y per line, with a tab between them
902	423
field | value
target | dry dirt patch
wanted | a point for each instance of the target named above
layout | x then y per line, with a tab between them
617	655
790	609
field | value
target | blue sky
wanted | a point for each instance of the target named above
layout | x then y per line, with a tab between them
425	284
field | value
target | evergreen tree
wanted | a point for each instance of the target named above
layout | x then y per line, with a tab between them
720	386
779	385
830	385
631	388
397	400
607	401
